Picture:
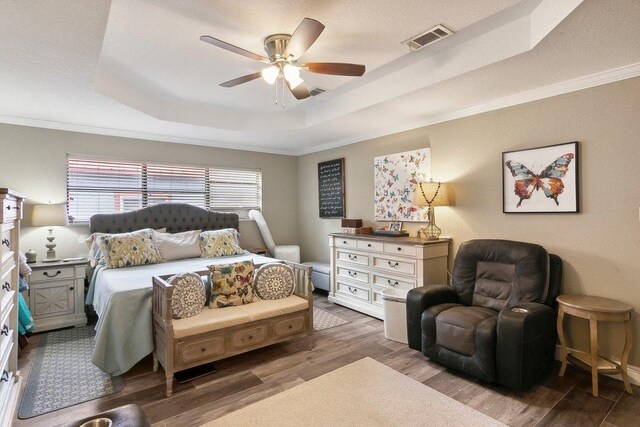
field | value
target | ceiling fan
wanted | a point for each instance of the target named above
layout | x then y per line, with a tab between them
284	51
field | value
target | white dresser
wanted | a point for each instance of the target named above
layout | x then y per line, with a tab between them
363	265
10	380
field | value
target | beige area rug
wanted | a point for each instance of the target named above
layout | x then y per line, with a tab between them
364	393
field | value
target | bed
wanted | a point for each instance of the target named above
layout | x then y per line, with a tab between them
122	297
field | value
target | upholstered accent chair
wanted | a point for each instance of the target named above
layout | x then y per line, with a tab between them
497	321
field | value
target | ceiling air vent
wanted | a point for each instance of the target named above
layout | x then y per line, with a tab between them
317	91
421	40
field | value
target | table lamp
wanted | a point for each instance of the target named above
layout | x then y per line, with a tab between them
431	194
50	215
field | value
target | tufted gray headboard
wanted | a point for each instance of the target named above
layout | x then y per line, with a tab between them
176	217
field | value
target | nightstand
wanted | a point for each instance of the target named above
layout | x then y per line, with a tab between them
56	294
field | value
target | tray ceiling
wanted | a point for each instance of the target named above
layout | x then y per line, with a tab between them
138	68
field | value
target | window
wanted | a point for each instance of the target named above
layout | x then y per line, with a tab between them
99	186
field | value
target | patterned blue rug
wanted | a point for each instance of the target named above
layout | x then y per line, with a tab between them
62	374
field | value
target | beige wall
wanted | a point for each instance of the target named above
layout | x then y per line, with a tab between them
600	246
34	161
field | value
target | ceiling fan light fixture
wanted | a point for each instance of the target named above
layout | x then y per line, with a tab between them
270	74
291	72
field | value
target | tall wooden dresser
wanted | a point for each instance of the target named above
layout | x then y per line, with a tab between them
10	216
364	265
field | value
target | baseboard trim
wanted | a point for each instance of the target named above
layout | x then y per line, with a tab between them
633	371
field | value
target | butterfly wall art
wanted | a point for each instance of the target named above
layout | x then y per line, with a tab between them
543	180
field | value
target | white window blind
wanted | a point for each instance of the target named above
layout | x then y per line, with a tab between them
100	186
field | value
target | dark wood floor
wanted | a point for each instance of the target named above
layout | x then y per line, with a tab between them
248	378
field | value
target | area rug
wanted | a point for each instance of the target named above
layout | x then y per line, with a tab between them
62	374
364	393
322	320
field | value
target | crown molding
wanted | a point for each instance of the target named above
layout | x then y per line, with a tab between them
568	86
555	89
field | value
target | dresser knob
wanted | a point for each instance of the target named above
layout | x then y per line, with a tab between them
368	245
71	288
395	264
203	349
6	286
290	326
399	248
6	243
5	377
353	273
5	330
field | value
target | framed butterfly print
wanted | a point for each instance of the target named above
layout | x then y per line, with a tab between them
541	180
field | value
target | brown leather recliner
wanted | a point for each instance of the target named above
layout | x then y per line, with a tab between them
498	320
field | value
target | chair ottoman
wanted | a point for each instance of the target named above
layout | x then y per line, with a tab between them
320	275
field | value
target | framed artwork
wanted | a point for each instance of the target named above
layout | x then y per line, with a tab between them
331	194
541	180
396	176
395	225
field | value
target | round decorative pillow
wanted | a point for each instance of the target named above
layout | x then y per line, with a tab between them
188	295
274	281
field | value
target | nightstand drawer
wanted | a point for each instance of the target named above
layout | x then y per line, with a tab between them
53	273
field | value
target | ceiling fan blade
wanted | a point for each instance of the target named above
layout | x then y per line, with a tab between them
335	68
232	48
300	91
240	80
303	37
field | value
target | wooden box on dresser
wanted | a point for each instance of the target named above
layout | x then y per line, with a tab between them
10	216
363	265
56	294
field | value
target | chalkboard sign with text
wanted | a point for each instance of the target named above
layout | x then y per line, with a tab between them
331	188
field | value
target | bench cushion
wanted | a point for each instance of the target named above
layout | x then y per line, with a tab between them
215	319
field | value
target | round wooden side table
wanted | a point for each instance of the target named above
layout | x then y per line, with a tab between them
595	309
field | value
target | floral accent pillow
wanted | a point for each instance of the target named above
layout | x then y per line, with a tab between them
217	243
129	249
188	295
274	281
231	284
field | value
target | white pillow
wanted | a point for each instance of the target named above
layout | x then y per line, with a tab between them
178	245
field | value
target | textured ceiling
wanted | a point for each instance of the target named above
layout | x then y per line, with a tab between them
138	69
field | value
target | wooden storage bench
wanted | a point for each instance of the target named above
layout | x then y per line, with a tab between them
216	334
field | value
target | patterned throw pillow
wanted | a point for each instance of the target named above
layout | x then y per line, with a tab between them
231	284
217	243
188	295
274	281
129	249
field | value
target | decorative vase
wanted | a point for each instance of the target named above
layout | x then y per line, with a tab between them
31	255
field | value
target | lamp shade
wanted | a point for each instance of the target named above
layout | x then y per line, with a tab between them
49	215
431	193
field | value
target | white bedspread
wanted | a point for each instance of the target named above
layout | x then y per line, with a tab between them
122	300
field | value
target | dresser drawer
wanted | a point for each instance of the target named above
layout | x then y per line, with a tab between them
355	291
289	326
6	287
193	350
9	209
369	245
46	274
399	249
352	257
396	265
6	243
352	274
346	243
392	282
249	337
